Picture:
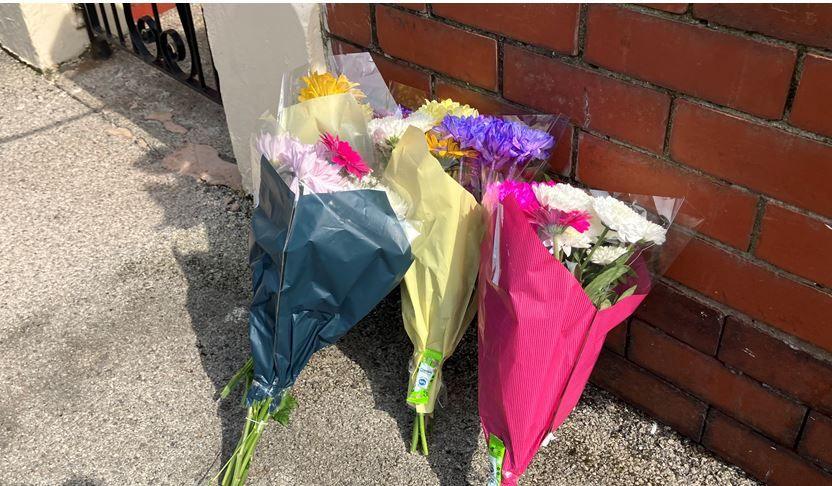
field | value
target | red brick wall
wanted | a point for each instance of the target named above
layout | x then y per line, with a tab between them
729	104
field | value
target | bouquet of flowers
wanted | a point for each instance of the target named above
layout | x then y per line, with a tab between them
330	237
560	268
438	291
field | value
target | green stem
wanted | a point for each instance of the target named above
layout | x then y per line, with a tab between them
414	440
586	260
423	434
237	467
244	372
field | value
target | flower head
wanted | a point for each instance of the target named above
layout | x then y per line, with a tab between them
447	147
564	241
604	255
654	233
579	220
630	227
325	84
272	146
522	192
562	230
563	197
503	146
344	155
393	127
438	110
298	163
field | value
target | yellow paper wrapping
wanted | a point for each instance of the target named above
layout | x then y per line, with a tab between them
338	114
438	289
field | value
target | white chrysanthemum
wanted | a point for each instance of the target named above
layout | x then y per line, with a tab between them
604	255
399	205
627	225
617	216
563	197
394	126
568	239
654	233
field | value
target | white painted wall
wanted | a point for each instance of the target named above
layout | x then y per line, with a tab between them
43	35
252	46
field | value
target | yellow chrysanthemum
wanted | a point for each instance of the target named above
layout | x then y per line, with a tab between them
447	147
438	110
325	84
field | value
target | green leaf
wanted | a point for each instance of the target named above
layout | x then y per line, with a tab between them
627	293
597	289
284	410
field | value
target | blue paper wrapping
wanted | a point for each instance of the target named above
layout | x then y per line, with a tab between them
319	264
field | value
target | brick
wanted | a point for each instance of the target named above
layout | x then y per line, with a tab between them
644	390
812	107
455	52
761	458
339	47
728	212
708	379
727	69
416	7
757	156
561	160
794	242
798	22
395	72
617	338
591	100
554	26
677	8
350	21
816	443
775	363
680	316
797	309
488	104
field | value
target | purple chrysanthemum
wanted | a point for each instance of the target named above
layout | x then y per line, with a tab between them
501	144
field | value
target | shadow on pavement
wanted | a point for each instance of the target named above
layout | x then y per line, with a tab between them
218	279
217	299
379	344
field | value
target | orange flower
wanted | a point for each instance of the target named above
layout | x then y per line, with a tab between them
447	147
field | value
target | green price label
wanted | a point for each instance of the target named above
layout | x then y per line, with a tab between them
425	374
496	454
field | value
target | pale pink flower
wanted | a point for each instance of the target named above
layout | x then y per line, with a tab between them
344	155
302	162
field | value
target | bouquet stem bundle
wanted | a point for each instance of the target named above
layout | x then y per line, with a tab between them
560	268
438	289
235	470
328	239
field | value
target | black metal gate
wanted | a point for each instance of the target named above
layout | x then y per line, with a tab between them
187	60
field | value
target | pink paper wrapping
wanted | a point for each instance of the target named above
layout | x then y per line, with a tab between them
539	337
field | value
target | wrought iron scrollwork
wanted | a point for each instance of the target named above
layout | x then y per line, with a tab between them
165	48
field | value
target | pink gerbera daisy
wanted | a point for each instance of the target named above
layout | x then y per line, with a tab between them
555	221
523	194
343	154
